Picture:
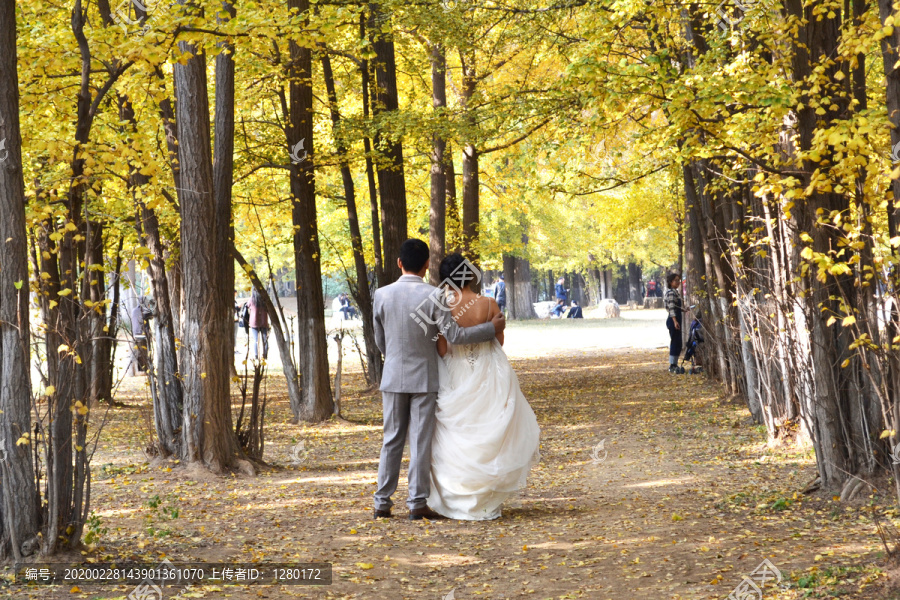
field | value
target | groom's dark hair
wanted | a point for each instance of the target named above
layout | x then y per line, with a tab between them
413	255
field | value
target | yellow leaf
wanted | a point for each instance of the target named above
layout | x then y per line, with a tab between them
886	433
50	390
365	566
848	320
75	590
62	348
64	292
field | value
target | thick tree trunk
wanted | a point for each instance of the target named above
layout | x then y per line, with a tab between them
391	179
208	432
519	296
834	430
634	283
18	495
311	341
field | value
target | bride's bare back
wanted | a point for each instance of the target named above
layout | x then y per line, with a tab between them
470	310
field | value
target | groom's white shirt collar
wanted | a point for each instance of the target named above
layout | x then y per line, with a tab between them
411	278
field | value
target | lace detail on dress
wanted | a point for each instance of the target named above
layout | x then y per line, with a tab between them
472	354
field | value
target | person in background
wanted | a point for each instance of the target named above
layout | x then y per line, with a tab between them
140	315
237	320
347	308
562	294
575	311
675	308
259	325
500	294
559	309
651	288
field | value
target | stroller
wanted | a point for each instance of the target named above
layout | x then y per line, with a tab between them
695	338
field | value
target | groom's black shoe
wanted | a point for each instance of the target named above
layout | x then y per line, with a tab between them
381	514
417	514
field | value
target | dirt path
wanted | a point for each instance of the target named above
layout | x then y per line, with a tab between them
681	500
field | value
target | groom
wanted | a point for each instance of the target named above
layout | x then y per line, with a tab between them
407	322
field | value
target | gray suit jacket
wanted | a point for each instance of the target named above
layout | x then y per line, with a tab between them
408	318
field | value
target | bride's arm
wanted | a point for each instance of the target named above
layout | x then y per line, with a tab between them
493	310
442	345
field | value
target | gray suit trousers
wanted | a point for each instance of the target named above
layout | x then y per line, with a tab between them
415	413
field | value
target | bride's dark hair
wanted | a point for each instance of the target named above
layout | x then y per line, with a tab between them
455	268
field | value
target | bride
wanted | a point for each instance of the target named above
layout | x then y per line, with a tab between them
486	437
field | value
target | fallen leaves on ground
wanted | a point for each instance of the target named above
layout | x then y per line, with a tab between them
651	486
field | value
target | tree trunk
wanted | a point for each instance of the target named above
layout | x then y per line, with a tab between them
470	201
361	289
223	171
18	496
370	169
437	218
169	403
208	433
634	283
311	341
519	296
391	179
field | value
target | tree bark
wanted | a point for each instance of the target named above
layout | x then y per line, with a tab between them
19	506
370	168
208	433
634	283
519	296
311	341
470	201
438	215
223	170
391	179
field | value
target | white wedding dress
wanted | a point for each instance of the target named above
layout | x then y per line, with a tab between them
486	437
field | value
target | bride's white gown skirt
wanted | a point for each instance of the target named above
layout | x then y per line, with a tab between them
486	437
